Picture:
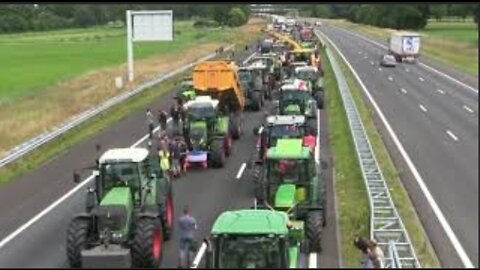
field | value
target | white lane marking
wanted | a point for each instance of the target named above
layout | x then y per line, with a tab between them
359	52
407	70
433	204
390	78
365	57
441	91
455	138
372	63
312	260
248	58
420	63
317	143
422	107
403	90
421	79
240	171
379	69
468	109
199	255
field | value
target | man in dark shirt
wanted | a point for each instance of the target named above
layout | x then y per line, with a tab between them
188	226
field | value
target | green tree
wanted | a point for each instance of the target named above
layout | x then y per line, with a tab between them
438	11
236	17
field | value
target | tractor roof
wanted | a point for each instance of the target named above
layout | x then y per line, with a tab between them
299	63
289	149
305	68
124	155
251	222
285	119
201	101
257	64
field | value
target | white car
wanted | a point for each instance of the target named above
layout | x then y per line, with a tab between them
388	60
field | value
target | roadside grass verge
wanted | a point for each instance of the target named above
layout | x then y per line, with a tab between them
44	110
405	208
87	130
444	46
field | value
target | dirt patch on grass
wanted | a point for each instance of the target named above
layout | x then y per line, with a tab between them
48	109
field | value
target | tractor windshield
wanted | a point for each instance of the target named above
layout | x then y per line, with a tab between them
285	131
288	171
120	174
306	74
250	252
245	75
201	112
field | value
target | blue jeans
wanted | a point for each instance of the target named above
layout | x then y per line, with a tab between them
185	259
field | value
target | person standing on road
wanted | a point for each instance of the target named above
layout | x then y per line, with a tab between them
162	121
150	123
188	226
175	156
175	114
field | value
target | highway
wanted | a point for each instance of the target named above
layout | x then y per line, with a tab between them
436	120
206	192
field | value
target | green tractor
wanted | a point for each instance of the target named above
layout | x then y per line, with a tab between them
185	90
255	238
128	215
254	94
296	99
315	80
207	133
291	179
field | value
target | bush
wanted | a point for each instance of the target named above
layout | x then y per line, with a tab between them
201	23
236	17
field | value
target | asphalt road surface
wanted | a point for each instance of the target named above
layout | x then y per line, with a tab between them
436	120
206	192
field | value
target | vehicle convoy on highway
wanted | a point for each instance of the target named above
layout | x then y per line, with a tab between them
255	95
255	238
291	181
128	213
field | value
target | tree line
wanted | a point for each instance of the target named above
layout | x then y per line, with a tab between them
40	17
397	16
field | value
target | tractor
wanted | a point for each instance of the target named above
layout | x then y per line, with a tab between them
255	238
313	76
291	179
268	66
206	132
296	99
185	90
254	93
282	127
128	213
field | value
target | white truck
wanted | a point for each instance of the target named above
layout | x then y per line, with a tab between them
405	45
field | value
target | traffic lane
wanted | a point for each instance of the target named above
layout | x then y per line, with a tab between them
436	82
26	196
436	157
206	192
450	71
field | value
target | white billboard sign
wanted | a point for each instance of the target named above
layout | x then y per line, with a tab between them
152	25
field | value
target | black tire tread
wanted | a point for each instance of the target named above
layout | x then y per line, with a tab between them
77	235
142	244
313	230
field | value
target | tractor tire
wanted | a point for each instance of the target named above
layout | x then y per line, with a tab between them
77	239
235	127
147	246
168	218
319	99
256	101
313	230
218	154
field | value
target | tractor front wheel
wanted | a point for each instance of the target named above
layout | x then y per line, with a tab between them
235	126
77	239
147	247
314	230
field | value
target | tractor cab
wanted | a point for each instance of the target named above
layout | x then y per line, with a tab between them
295	99
185	90
312	75
254	238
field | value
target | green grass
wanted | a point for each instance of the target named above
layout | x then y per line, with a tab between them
36	60
463	32
350	186
451	43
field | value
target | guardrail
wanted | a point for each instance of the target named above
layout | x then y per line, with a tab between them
42	139
386	226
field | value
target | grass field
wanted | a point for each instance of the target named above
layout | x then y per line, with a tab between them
33	61
350	187
452	43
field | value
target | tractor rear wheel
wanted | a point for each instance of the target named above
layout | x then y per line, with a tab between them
256	101
77	239
218	154
168	218
235	126
314	230
147	247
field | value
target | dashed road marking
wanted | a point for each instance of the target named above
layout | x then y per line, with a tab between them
403	90
390	78
407	70
372	63
421	79
240	171
422	107
441	91
468	109
455	138
379	69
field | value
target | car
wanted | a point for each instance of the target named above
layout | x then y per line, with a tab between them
388	60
